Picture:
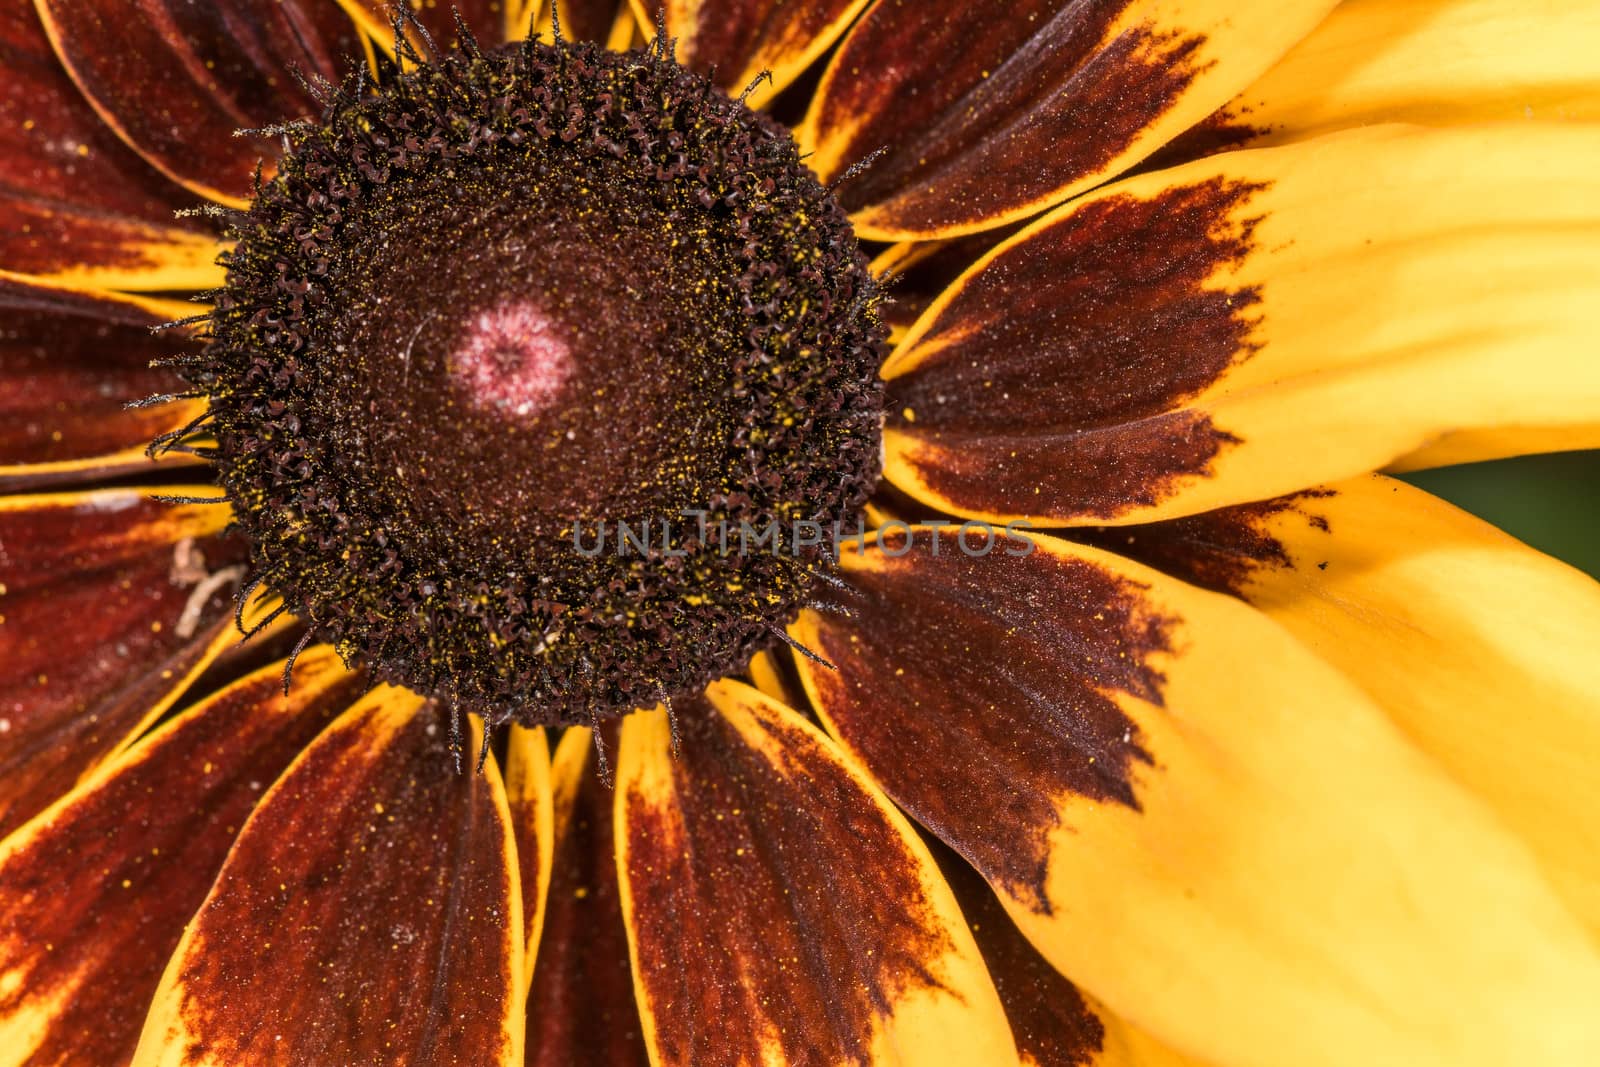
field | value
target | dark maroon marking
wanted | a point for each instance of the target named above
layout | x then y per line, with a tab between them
983	114
786	899
979	691
1224	130
589	20
362	917
56	154
92	638
914	289
1071	350
730	34
179	78
581	1011
67	371
1050	1020
102	896
1219	550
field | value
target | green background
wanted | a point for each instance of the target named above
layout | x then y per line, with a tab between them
1552	502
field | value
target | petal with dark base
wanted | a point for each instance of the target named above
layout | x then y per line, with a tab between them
1198	822
991	114
1257	322
778	909
743	39
1481	649
1055	1025
176	80
581	1011
110	603
70	363
369	913
94	894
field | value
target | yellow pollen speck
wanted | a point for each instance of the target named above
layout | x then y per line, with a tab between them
126	882
378	808
155	627
909	415
581	893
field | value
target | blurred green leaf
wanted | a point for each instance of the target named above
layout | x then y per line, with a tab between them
1552	501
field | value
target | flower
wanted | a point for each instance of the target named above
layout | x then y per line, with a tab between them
1149	727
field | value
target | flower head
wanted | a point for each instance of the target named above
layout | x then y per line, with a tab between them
886	491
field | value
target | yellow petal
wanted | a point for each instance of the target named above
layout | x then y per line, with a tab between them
1481	649
1431	62
528	796
1236	850
1054	1024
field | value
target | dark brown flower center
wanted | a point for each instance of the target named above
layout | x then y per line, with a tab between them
497	312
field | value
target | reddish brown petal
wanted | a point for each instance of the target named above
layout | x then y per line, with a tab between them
95	894
69	364
915	274
1047	377
175	80
62	244
369	913
988	114
109	604
581	1011
73	197
1019	663
778	909
741	39
591	20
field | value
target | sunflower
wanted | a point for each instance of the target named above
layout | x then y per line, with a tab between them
832	531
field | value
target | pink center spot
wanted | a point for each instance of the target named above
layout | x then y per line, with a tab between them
514	359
